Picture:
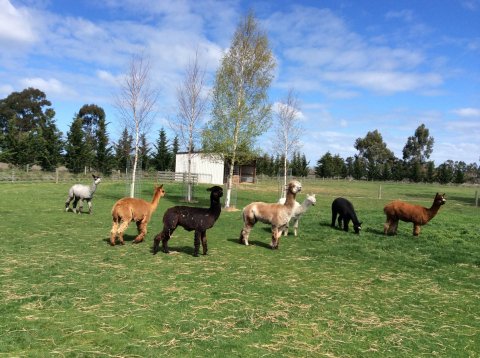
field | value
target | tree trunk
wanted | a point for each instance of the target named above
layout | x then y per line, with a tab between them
229	183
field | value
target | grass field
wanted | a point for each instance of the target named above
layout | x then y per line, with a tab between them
65	292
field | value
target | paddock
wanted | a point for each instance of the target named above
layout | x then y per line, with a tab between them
66	291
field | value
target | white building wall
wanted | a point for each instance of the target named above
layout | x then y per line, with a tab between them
208	168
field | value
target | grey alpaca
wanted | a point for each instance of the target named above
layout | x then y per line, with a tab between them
83	193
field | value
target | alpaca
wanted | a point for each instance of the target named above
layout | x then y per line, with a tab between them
298	211
190	218
132	209
277	215
416	214
83	193
345	211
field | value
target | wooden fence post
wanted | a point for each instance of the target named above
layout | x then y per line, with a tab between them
476	198
380	192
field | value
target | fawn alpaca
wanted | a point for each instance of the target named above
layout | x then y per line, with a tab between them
416	214
190	218
132	209
278	215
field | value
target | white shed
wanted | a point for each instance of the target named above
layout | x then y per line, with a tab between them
208	168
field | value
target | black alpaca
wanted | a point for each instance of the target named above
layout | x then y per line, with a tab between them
344	209
190	218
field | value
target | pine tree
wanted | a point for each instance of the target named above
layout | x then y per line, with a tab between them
175	148
76	151
163	157
123	150
104	157
144	152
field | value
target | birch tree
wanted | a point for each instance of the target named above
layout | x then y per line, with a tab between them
135	104
287	131
192	103
240	108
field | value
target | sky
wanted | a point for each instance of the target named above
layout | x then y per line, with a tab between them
355	65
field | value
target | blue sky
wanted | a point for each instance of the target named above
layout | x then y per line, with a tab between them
356	65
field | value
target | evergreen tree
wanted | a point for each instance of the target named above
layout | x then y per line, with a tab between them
163	157
175	148
123	151
430	176
445	172
49	153
76	150
460	168
104	157
144	152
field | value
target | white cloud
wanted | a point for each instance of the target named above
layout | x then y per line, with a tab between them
15	24
49	86
467	112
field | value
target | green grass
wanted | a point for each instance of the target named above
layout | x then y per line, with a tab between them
326	293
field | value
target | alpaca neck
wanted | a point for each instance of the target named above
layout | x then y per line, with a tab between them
290	201
215	207
93	187
155	200
433	211
305	205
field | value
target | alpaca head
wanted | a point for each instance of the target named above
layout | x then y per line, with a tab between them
96	180
294	187
158	190
439	199
216	192
357	228
311	198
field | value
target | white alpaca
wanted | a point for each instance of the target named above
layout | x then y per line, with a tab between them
83	193
298	211
278	215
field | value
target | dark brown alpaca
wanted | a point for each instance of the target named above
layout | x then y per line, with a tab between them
191	219
416	214
127	210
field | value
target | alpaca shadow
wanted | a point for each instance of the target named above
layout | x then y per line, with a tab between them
374	231
126	238
175	250
252	243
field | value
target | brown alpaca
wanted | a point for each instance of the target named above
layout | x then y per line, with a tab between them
132	209
416	214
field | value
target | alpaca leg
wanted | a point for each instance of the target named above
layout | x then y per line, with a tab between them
121	228
416	230
80	208
204	242
156	242
334	218
166	236
113	233
395	227
345	224
67	203
340	219
196	243
244	234
276	234
75	202
295	227
89	206
142	231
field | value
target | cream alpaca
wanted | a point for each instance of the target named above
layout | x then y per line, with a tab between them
298	211
132	209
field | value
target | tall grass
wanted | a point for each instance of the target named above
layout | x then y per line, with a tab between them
66	292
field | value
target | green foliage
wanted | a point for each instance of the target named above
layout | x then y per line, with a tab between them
28	131
123	150
76	156
241	111
163	156
65	291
